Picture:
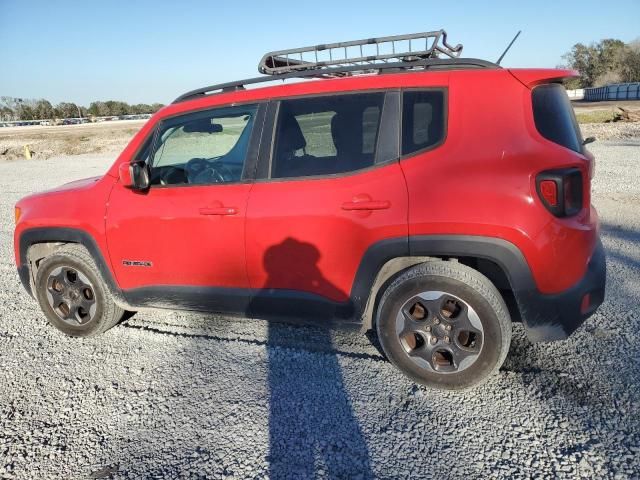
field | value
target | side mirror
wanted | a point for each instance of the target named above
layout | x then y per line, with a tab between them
134	175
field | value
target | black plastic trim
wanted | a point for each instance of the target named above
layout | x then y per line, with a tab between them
388	144
64	234
23	273
558	177
505	254
545	317
555	317
392	67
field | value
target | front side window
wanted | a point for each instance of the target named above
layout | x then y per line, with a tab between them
326	135
203	148
423	119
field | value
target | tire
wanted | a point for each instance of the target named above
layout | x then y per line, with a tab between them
444	325
72	294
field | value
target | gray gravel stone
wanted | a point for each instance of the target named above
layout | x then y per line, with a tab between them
172	395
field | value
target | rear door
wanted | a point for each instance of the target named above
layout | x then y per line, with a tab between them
332	189
182	241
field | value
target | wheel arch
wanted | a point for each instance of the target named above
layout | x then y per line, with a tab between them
38	243
499	260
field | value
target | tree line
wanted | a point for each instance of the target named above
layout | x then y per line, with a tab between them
12	108
603	63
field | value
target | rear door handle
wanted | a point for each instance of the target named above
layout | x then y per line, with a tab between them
364	202
218	211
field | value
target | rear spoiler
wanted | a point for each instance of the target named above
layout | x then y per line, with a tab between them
530	77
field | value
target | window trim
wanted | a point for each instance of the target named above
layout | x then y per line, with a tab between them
272	123
249	166
445	117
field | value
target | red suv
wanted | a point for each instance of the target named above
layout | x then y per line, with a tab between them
433	198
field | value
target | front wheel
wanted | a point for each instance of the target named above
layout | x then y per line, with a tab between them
444	325
72	294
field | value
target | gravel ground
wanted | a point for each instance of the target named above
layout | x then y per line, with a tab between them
168	395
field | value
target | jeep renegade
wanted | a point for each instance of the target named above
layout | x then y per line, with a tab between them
432	198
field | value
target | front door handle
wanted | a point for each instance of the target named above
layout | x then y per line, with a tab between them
218	211
364	202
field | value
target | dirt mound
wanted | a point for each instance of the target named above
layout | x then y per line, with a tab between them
45	142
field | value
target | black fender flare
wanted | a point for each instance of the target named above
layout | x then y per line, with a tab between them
33	236
499	251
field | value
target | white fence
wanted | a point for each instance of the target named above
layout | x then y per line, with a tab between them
577	94
620	91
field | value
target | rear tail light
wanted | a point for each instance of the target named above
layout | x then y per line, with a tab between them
561	191
549	192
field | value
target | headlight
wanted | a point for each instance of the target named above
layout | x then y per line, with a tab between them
18	213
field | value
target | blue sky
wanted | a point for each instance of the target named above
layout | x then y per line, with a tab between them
152	51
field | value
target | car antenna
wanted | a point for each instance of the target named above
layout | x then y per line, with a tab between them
508	47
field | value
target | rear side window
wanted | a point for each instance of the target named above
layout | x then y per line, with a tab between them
554	117
326	135
423	120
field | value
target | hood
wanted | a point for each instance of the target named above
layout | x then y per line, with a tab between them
75	185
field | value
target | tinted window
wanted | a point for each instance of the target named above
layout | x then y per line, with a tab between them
423	120
203	148
326	135
553	114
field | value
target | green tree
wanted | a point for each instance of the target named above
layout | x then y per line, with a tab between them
630	65
66	110
98	109
6	113
598	63
25	111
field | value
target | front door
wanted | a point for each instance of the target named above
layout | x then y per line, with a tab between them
181	243
334	189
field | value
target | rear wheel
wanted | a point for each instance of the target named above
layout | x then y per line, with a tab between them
444	325
72	294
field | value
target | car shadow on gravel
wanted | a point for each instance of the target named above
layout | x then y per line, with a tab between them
623	234
313	431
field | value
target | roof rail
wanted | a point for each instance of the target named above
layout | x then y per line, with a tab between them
366	53
427	64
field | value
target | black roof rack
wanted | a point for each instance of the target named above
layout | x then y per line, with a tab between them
366	53
419	51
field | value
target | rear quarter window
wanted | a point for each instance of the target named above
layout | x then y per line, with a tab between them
423	120
554	117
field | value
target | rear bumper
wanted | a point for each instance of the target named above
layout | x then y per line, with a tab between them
555	317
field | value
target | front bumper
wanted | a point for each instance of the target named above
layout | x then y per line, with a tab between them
23	272
555	317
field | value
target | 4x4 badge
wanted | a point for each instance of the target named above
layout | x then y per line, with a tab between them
136	263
